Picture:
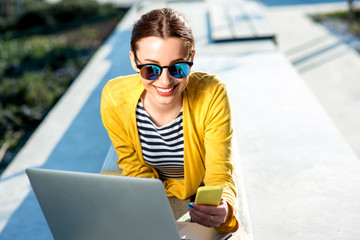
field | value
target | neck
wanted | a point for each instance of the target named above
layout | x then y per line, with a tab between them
161	114
149	103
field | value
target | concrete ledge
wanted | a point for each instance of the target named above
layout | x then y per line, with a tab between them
239	21
110	166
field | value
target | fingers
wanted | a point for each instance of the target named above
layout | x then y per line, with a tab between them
209	216
204	219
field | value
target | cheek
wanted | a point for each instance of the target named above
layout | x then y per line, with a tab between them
146	84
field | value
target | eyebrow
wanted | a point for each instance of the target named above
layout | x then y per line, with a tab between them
174	61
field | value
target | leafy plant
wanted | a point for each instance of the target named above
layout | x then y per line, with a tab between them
41	53
342	15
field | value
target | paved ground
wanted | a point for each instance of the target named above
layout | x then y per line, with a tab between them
327	64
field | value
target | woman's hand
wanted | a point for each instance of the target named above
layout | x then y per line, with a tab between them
209	216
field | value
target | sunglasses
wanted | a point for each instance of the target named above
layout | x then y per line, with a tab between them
153	71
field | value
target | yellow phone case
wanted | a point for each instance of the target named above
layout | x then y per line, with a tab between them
209	195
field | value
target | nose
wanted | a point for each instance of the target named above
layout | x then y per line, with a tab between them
165	79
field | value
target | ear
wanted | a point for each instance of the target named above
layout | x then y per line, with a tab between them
193	54
132	61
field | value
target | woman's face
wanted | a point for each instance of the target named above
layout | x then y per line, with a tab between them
166	90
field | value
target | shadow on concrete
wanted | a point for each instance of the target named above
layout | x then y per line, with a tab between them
337	52
82	148
317	52
279	3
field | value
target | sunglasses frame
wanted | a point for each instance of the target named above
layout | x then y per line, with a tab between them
139	66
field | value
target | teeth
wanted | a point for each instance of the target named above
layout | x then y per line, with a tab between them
165	90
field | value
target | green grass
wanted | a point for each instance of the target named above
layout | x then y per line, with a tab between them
39	62
341	16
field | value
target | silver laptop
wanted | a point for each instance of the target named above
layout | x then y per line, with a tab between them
93	206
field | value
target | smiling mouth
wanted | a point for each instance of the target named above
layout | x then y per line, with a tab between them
166	91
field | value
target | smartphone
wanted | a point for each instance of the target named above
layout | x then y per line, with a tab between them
209	195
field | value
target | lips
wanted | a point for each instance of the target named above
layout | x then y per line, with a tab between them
166	91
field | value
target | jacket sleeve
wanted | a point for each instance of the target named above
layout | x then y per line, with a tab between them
218	161
118	127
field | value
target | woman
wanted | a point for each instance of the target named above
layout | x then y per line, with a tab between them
169	123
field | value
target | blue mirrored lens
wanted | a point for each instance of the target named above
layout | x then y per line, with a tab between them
150	72
179	70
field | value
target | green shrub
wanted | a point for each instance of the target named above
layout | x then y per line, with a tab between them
36	72
34	19
341	16
43	17
37	65
68	11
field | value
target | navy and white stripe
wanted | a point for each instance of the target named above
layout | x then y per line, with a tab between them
162	147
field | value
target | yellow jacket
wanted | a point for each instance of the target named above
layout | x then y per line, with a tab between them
207	136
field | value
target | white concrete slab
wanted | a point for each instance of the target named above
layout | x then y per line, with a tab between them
326	62
221	28
301	178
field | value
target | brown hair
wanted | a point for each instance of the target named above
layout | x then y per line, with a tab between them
163	23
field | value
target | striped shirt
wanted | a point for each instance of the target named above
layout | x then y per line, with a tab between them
162	147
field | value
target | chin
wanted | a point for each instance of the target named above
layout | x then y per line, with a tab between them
165	101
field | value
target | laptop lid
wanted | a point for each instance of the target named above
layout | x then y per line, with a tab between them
93	206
